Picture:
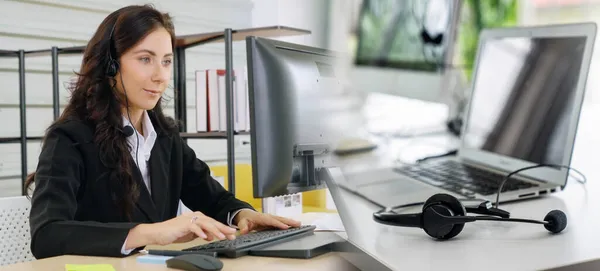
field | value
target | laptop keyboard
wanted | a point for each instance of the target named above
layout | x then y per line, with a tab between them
461	178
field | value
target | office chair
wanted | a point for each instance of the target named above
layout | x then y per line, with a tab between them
15	238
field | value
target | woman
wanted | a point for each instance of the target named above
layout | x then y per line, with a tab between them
113	168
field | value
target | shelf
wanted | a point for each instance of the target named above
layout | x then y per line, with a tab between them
71	50
17	139
239	34
191	40
210	135
7	53
63	51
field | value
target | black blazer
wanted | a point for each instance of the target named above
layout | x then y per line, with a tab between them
71	208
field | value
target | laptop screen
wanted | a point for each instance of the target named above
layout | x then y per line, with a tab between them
524	97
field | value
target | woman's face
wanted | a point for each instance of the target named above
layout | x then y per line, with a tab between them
145	70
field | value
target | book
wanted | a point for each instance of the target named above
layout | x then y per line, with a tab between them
201	101
213	100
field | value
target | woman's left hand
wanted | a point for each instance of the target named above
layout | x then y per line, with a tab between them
249	220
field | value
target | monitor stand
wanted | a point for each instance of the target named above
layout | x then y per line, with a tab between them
305	247
319	242
305	175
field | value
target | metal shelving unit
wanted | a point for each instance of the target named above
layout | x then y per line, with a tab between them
210	135
23	136
228	36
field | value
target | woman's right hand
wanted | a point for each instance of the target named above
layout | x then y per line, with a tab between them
189	226
183	228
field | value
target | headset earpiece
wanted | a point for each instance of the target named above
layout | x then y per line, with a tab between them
446	205
435	40
112	67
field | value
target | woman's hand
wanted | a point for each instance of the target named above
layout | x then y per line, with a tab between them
248	220
189	226
183	228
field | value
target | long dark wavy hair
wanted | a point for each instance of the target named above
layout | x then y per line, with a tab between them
94	98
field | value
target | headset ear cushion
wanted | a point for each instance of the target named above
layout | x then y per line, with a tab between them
451	203
436	40
111	68
425	36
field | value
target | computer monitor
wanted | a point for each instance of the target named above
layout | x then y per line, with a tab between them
405	47
296	109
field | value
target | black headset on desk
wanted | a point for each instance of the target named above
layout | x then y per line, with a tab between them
444	216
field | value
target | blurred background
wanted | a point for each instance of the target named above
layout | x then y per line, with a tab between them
398	70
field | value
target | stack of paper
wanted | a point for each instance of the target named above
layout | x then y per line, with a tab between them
285	206
329	222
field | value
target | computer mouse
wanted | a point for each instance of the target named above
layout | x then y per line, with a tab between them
195	262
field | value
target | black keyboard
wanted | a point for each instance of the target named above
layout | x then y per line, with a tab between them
461	178
253	240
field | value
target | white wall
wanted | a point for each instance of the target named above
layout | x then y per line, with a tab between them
305	14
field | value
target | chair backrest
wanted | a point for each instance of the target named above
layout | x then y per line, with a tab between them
15	238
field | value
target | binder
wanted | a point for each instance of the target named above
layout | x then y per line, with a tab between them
202	101
211	102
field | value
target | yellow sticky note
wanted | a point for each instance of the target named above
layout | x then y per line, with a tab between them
89	267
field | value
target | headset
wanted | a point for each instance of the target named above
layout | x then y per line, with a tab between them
112	68
425	32
429	38
443	216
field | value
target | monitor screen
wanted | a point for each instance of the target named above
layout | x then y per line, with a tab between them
406	34
523	97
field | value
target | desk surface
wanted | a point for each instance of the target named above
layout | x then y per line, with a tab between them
328	261
487	245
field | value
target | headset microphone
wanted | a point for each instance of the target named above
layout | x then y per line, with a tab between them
443	217
127	130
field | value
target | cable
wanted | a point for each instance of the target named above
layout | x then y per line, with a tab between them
493	218
137	139
489	212
582	181
392	208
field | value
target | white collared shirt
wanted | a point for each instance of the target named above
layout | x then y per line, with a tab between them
146	143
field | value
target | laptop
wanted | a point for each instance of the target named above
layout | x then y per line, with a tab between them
527	90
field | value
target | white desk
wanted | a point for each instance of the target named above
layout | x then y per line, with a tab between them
488	245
